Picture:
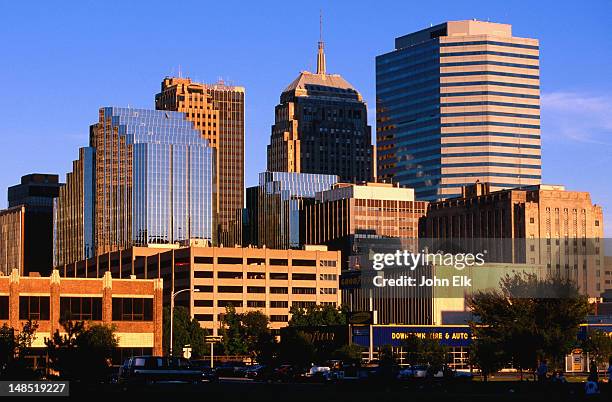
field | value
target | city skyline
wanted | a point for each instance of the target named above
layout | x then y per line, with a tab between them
574	104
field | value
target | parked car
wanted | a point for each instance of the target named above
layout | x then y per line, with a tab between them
208	373
157	369
254	372
231	369
417	371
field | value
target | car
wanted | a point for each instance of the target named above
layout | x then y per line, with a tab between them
157	369
416	371
231	369
208	373
254	372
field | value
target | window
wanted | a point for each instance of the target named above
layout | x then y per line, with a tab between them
304	277
203	317
256	261
256	303
229	289
203	260
303	304
4	307
81	308
279	276
278	290
279	304
328	291
203	274
327	263
328	277
34	308
256	289
229	275
132	309
281	262
303	291
256	275
227	303
203	289
279	318
202	303
229	260
304	263
596	222
531	220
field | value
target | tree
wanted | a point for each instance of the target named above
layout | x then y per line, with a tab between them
297	349
84	352
486	355
186	331
349	353
599	346
14	347
317	315
525	320
248	334
234	343
427	351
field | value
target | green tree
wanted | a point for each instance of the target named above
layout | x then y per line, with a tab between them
318	315
84	352
425	350
349	353
186	331
599	346
234	342
14	348
487	356
527	319
295	348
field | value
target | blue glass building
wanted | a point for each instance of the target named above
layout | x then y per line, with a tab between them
151	174
280	199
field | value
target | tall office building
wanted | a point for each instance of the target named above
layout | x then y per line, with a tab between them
217	111
456	103
321	127
36	193
278	202
145	179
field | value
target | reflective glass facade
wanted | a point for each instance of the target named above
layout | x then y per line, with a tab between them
457	103
281	197
151	180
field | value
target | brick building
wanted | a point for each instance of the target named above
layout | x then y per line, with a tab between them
133	307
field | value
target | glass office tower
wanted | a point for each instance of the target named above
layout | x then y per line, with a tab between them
152	184
280	198
458	103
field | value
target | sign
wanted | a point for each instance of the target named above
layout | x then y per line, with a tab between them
396	335
361	317
187	352
213	339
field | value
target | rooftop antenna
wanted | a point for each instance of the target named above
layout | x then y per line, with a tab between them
321	52
180	73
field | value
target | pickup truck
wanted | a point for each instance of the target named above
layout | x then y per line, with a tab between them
157	369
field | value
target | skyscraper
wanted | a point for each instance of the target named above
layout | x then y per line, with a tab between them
145	179
36	192
217	111
456	103
321	127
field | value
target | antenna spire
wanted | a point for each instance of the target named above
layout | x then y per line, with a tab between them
321	51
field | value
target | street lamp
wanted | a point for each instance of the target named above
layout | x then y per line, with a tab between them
172	312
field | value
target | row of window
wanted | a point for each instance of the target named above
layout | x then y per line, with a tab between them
262	275
296	290
253	303
37	308
296	262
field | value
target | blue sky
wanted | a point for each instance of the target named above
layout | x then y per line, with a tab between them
61	63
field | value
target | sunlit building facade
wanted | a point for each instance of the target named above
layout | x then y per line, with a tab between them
151	185
456	103
217	112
